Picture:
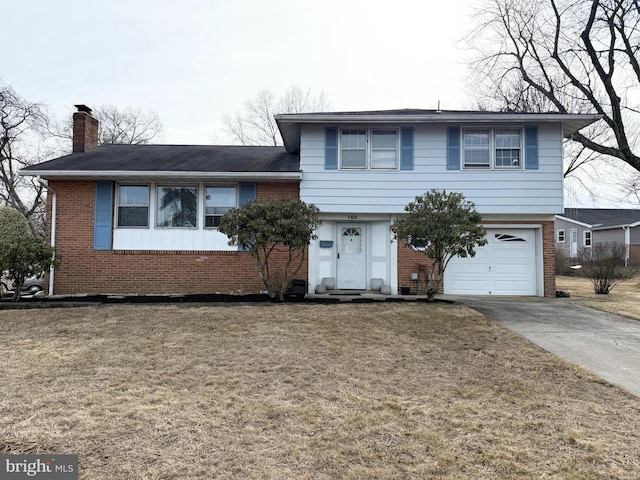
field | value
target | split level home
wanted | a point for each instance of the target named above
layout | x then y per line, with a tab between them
143	218
581	228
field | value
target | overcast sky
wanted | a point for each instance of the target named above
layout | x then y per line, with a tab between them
194	61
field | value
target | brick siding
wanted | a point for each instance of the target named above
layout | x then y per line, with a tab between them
85	270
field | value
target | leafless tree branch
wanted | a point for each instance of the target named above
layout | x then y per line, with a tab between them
565	56
256	125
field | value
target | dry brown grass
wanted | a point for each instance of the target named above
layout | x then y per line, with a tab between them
624	299
385	391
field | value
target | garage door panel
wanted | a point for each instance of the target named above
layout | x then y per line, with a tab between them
470	286
505	266
468	268
517	269
514	287
509	254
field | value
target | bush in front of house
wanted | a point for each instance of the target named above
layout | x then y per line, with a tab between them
603	264
441	226
276	233
21	254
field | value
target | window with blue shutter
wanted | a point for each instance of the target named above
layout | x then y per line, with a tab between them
103	217
531	147
453	148
331	148
406	149
247	194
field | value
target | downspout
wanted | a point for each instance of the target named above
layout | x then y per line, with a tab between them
53	230
53	237
627	242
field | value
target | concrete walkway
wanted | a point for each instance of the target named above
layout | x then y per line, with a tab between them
606	344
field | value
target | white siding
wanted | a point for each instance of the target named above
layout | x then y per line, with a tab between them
169	239
494	191
380	262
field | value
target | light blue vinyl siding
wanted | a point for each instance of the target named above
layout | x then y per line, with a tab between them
495	191
103	218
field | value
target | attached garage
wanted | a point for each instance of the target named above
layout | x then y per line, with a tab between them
508	265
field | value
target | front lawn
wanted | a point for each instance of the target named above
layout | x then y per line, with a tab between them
624	299
355	391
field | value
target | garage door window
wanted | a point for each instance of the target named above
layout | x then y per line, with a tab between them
505	237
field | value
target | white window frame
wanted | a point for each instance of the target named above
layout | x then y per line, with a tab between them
119	205
587	243
235	204
561	236
369	133
158	186
492	147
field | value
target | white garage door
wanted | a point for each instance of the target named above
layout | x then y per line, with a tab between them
505	266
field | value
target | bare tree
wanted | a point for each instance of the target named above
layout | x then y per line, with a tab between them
568	56
22	135
130	125
255	125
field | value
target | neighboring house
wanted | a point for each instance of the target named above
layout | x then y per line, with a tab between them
579	228
142	218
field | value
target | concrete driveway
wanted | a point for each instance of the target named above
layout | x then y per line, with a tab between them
606	344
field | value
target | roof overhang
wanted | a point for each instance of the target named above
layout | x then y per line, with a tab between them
290	125
576	222
120	175
612	227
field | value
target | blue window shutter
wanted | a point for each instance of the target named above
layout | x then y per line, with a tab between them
453	148
331	148
247	193
531	147
406	149
103	221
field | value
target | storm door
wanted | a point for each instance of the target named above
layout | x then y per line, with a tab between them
352	257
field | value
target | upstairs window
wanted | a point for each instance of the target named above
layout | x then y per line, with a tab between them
485	148
218	201
177	207
133	206
508	146
354	148
369	148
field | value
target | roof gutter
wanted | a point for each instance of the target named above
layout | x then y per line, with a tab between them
155	174
576	222
437	117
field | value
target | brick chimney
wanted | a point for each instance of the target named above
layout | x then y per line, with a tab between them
85	130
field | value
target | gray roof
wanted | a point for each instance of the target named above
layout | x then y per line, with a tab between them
602	218
290	124
138	160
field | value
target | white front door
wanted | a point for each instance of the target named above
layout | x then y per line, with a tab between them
352	257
